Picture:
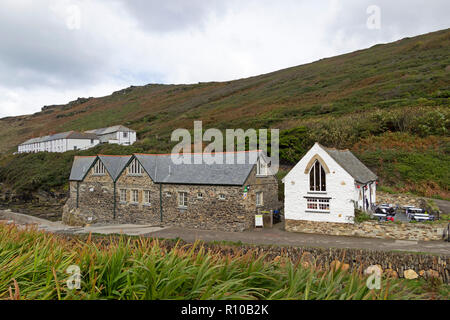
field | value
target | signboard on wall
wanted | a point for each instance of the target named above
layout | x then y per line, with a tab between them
259	220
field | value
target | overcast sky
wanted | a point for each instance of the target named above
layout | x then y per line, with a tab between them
54	51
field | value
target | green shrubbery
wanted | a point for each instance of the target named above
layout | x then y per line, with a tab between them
34	266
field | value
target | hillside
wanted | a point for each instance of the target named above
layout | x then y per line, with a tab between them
389	104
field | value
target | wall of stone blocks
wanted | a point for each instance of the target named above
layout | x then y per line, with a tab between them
233	213
370	229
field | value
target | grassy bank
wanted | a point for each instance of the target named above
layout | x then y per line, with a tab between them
33	266
354	101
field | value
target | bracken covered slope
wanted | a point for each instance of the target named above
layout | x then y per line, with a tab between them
394	92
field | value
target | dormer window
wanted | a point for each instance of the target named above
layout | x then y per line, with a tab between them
261	167
317	178
99	168
135	168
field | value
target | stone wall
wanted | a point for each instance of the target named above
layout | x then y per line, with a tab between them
393	264
370	229
205	208
400	199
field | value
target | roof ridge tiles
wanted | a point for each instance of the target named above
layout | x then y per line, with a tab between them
189	153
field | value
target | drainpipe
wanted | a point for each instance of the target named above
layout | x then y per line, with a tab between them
364	198
78	193
160	203
114	204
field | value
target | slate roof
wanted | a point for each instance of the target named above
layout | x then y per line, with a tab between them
108	130
80	167
62	135
347	160
114	164
162	169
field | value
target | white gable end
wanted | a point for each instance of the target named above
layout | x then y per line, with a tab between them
334	204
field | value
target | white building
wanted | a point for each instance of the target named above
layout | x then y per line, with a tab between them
326	185
60	142
116	134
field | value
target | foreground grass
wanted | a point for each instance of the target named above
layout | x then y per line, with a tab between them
33	266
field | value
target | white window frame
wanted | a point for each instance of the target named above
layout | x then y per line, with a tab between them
135	168
222	196
134	192
317	204
199	195
182	199
123	195
313	170
147	197
259	199
99	169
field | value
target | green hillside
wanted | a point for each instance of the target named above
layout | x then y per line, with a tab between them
389	104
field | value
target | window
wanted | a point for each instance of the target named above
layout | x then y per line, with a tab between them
182	199
135	168
99	168
123	195
318	204
147	196
261	168
199	195
259	199
317	178
135	196
125	134
222	197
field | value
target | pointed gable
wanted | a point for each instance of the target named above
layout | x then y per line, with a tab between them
114	164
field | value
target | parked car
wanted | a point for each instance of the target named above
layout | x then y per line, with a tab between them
385	212
386	208
418	214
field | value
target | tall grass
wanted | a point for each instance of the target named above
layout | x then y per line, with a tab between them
33	265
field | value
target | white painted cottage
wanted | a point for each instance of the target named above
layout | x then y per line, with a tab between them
116	135
60	142
326	185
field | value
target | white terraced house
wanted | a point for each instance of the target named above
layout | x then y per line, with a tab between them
60	142
116	134
72	140
326	185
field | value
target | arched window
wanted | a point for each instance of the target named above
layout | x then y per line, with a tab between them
317	178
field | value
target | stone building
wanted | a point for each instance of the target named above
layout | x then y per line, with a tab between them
153	189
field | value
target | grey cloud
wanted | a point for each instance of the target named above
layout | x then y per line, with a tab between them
167	16
38	48
399	18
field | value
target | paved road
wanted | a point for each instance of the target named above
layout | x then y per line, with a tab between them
274	236
57	227
277	236
443	205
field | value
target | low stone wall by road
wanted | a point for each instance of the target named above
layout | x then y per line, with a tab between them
392	264
370	229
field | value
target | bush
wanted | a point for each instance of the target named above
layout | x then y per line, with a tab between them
361	216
